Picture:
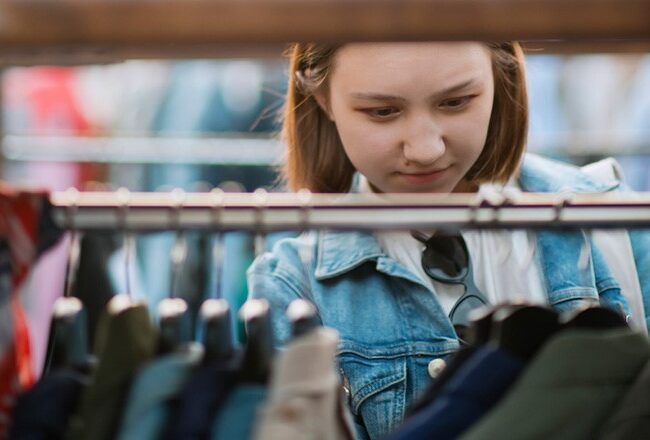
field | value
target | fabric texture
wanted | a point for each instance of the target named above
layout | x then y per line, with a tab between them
42	413
305	392
239	413
148	405
477	386
570	388
631	418
201	398
26	230
125	342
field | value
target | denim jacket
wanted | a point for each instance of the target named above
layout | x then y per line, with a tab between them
390	323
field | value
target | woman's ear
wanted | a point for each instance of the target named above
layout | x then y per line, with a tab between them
323	103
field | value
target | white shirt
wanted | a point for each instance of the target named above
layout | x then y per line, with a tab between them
501	259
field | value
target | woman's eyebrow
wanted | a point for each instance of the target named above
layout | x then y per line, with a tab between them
376	97
383	97
458	87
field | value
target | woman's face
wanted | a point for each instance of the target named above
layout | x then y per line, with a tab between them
413	117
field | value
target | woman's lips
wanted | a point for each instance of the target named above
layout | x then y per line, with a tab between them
419	178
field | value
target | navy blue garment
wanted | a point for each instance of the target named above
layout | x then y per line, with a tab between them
195	408
473	390
43	411
453	366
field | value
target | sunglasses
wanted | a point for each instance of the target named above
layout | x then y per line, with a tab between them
446	259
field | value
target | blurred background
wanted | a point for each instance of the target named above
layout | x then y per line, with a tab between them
151	125
159	125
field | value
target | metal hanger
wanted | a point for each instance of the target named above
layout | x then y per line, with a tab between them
173	313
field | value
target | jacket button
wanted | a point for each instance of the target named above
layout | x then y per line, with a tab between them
435	367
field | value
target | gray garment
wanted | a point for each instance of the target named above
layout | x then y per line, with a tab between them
631	418
305	397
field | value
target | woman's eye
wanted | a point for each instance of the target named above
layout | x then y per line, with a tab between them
382	113
456	103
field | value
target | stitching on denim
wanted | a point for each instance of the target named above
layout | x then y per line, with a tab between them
393	352
374	387
573	293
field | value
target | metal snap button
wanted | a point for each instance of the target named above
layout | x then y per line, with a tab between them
435	367
345	387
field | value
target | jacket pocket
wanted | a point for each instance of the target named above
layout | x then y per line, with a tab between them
377	391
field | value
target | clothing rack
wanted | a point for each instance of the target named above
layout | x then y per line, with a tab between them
266	212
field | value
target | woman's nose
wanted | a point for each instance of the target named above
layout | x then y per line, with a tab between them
424	143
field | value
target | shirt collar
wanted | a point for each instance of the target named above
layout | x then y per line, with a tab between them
539	174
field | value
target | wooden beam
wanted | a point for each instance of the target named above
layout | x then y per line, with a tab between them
187	28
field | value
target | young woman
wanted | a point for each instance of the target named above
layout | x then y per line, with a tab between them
425	118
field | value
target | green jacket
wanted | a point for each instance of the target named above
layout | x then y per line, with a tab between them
124	342
570	388
631	420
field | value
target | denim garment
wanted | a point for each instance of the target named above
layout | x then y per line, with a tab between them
390	323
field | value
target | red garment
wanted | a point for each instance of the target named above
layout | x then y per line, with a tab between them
21	240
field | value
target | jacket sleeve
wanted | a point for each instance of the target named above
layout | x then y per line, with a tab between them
609	290
640	241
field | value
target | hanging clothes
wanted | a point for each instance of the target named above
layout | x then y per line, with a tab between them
238	416
148	405
201	399
577	378
477	386
631	419
124	343
305	397
43	412
26	231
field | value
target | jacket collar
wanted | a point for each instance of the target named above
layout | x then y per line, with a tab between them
339	252
539	174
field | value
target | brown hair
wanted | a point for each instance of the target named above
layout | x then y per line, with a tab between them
315	156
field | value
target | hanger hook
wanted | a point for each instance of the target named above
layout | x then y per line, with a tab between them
124	197
564	200
304	198
218	196
179	249
261	198
585	252
505	197
474	207
75	242
532	250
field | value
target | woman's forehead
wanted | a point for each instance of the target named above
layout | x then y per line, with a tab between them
442	64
